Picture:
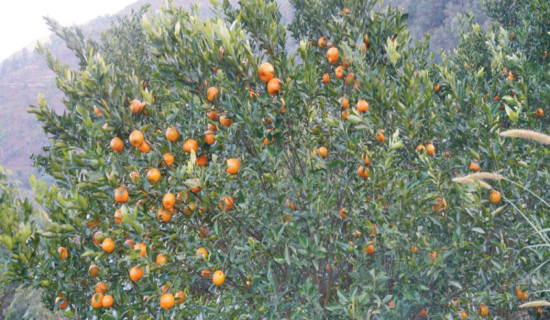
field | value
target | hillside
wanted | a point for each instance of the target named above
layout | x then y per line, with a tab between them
24	74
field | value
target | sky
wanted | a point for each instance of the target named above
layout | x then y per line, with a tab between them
21	21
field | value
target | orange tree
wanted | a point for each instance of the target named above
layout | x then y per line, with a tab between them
203	171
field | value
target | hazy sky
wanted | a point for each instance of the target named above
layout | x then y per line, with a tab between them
21	20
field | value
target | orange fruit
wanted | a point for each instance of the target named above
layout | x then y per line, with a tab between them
97	300
463	315
346	11
437	88
153	175
344	102
380	136
423	313
169	200
213	114
225	121
93	270
101	287
206	273
202	253
129	243
168	159
266	72
420	148
365	157
522	295
274	86
136	273
145	147
203	232
339	72
118	216
228	201
172	134
142	247
134	175
117	145
322	42
366	39
323	152
441	204
180	297
121	195
510	76
98	237
161	259
362	106
495	197
539	113
474	166
212	94
345	114
63	253
483	310
233	166
165	214
167	301
390	304
189	145
218	278
364	47
363	172
333	55
349	78
431	149
326	78
414	249
266	141
108	245
136	138
370	249
107	301
62	300
97	111
342	213
209	137
136	106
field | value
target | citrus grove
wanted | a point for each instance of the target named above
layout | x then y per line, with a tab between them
245	167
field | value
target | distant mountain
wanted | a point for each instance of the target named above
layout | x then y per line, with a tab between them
25	74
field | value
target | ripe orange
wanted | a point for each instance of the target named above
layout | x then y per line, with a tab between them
339	72
63	253
414	249
93	270
206	273
370	249
98	237
121	195
108	245
118	216
213	114
463	315
134	175
390	304
266	72
168	159
62	300
136	273
483	310
326	78
97	300
212	94
129	243
172	134
169	200
203	232
431	149
190	144
218	278
209	137
117	145
165	214
274	86
136	138
323	152
142	247
266	141
380	136
333	55
342	213
539	113
97	111
345	114
423	313
161	259
420	148
474	166
363	172
107	301
495	197
441	204
180	297
510	76
349	78
167	301
233	166
101	287
344	102
437	88
362	106
225	121
365	157
136	106
145	147
202	253
522	295
228	201
153	175
322	42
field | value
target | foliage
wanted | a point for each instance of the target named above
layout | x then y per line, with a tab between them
305	233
